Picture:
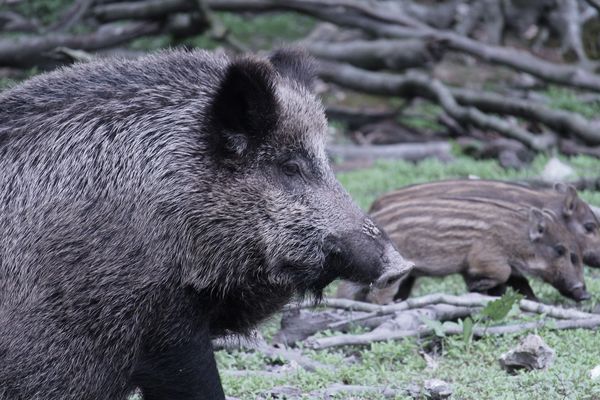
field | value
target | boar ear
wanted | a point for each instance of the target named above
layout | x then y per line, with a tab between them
245	107
570	201
295	63
537	224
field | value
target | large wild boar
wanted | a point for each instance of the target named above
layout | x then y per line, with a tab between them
491	243
149	205
563	200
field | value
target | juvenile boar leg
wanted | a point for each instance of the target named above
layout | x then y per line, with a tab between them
518	283
184	372
497	291
521	285
485	271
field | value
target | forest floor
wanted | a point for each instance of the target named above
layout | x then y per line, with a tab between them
472	370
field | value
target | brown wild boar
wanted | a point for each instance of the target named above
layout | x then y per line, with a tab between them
563	200
491	243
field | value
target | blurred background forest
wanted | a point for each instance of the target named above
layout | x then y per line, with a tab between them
415	90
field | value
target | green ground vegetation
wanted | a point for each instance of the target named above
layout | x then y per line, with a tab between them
473	370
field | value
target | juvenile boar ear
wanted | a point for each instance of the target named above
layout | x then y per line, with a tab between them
570	201
245	107
295	63
560	187
537	224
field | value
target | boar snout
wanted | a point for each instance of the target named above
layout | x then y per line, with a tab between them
395	267
366	256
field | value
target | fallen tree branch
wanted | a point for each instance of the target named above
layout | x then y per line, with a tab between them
348	390
561	121
404	151
297	324
384	335
11	21
26	51
71	16
414	84
292	355
413	318
356	117
336	12
397	55
150	9
141	9
249	373
572	148
595	4
256	342
558	120
465	300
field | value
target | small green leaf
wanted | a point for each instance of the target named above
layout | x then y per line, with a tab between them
497	310
467	325
451	325
436	326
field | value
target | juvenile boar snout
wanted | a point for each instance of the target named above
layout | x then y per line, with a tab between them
578	293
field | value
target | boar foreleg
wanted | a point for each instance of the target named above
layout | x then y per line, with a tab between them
184	372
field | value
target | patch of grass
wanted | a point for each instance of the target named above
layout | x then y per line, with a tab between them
7	83
365	185
259	32
566	99
423	117
473	372
267	31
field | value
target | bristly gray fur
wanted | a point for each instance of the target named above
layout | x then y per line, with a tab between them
135	212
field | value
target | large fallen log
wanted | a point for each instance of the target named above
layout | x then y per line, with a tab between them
560	121
351	13
396	55
414	84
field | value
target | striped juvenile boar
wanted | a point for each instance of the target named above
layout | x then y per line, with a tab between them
492	244
149	205
563	200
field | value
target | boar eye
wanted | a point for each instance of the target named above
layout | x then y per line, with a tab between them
560	250
589	227
291	168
